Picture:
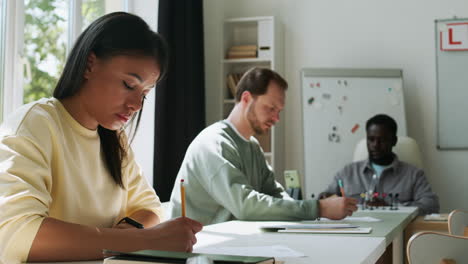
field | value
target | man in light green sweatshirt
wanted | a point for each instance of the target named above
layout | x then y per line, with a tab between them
224	170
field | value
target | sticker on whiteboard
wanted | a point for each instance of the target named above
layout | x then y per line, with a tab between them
334	136
355	128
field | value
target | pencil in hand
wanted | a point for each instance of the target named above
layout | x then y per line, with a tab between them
340	184
182	196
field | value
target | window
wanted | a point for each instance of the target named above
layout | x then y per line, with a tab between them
46	34
45	43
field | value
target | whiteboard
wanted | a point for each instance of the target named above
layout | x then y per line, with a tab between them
452	88
336	103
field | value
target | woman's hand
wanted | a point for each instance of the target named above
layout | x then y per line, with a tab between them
173	235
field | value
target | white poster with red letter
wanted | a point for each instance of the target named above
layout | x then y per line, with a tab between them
454	36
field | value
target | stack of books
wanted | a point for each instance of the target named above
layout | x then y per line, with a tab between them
242	52
231	81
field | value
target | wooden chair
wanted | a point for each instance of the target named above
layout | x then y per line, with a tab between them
458	223
435	248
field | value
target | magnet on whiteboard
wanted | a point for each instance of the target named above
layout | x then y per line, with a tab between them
326	96
311	85
345	98
345	83
334	137
311	100
318	85
355	128
340	109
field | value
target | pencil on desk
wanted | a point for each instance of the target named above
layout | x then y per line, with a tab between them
182	196
340	183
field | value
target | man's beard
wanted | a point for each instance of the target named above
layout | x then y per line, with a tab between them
253	120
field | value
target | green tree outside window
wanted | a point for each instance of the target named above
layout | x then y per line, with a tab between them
45	36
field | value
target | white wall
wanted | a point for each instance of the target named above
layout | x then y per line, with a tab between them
358	34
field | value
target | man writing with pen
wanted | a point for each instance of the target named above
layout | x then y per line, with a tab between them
384	173
225	173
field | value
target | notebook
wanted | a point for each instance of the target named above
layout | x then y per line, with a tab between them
170	257
356	230
329	228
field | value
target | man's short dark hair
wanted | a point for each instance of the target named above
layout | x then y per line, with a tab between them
383	120
256	81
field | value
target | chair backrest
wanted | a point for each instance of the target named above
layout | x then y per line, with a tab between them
406	148
458	222
432	247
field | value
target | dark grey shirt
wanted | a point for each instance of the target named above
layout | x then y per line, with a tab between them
400	177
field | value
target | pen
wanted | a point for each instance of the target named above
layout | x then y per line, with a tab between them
340	183
182	196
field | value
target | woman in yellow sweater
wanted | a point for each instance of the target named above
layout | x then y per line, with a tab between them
67	173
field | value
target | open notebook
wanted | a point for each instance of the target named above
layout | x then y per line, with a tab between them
329	228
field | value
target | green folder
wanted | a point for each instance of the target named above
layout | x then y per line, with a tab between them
180	257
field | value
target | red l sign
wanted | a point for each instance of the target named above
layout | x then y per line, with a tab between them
451	42
454	36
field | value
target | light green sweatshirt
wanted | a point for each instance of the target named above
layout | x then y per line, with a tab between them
226	177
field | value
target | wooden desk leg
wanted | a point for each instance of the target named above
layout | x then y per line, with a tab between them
387	256
398	249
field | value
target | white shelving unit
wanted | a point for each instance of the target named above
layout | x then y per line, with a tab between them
265	33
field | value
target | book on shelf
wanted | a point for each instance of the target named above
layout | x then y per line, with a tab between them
241	56
243	47
231	84
168	257
232	80
242	52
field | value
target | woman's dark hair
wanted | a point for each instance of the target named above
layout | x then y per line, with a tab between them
112	35
256	81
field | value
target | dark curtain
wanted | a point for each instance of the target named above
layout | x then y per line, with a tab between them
180	98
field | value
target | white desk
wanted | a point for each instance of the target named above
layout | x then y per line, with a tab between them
330	248
317	248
